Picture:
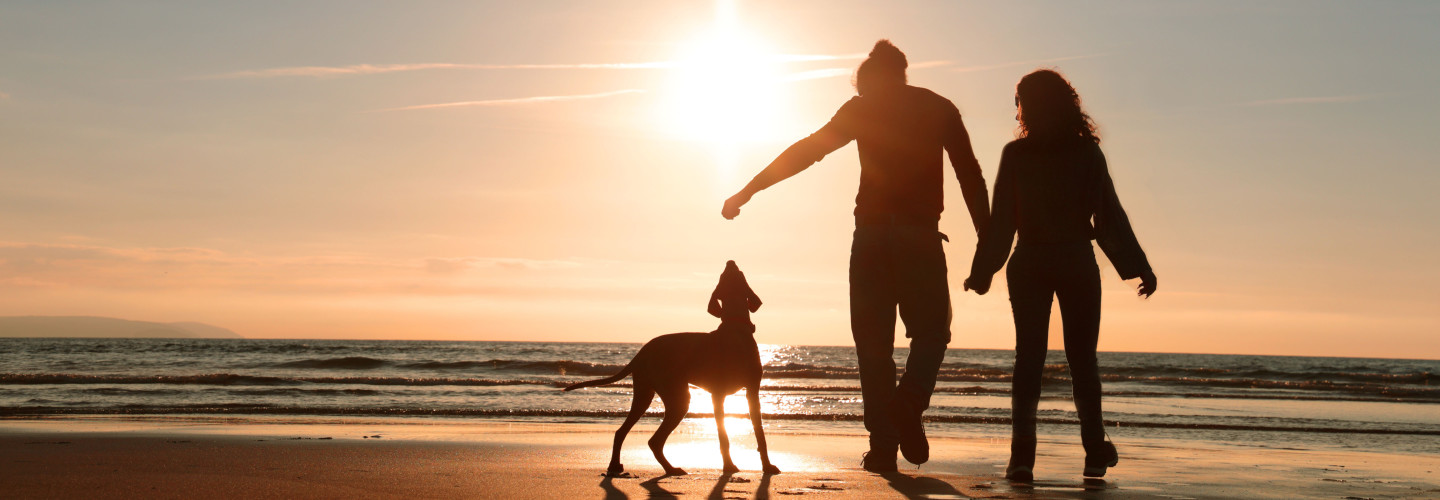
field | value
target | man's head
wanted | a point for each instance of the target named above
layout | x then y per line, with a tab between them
884	68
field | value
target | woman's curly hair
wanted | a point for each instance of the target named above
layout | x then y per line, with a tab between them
1050	108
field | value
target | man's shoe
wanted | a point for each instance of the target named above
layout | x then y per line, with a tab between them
1020	473
906	417
1106	458
879	462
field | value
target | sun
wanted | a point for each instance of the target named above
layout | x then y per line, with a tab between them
726	90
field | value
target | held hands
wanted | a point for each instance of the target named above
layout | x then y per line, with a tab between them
1147	284
733	204
978	284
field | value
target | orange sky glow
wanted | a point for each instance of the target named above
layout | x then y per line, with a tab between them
509	171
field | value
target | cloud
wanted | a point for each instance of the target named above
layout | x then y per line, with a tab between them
817	74
1313	100
1032	62
514	101
436	265
814	57
372	69
4	96
834	72
32	266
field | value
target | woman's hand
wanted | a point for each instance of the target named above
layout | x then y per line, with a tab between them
978	284
1147	284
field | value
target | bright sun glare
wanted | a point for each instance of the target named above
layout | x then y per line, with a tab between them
727	87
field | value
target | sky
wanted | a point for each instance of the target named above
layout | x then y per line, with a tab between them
554	171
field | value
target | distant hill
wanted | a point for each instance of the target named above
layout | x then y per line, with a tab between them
91	326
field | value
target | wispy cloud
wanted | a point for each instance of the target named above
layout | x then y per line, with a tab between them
372	69
437	265
514	101
931	64
817	74
815	57
834	72
1313	100
60	266
1032	62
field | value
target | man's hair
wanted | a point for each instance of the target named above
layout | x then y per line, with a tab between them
884	67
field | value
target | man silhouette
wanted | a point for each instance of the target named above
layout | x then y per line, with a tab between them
896	260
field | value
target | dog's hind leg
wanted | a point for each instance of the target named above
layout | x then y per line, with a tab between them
677	404
643	396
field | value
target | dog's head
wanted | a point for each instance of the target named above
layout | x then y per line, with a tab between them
733	290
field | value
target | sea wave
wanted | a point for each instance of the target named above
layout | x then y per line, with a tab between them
1186	388
230	379
1301	378
1375	377
300	392
1306	385
549	367
345	363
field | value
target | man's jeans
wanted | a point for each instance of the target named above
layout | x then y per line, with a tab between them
895	265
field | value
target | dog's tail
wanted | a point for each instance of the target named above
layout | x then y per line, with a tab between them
624	372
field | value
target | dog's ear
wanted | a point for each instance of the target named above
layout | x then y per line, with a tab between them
714	307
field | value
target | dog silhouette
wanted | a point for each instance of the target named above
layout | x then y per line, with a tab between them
721	362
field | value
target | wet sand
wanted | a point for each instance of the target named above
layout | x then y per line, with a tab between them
265	457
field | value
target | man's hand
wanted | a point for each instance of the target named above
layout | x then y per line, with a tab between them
978	284
732	205
1147	284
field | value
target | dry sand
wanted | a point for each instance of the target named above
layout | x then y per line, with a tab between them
271	457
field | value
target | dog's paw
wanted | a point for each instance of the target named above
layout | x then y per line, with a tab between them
617	470
771	469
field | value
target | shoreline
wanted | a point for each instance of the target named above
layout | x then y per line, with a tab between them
267	456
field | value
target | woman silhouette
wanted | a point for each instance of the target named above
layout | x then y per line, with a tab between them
1052	184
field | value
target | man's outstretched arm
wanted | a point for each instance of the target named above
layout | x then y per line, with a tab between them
795	159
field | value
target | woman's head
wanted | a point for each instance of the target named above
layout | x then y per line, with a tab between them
884	68
1050	108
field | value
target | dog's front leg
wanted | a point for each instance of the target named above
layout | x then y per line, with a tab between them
752	395
718	401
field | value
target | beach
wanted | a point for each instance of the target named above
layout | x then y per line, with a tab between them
388	457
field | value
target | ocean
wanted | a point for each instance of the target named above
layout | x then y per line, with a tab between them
1353	403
